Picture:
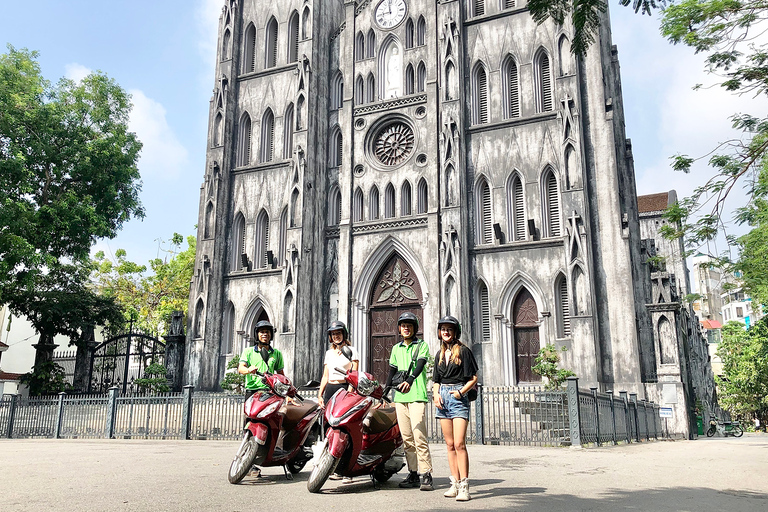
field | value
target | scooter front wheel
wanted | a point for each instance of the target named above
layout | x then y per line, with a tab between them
244	458
320	473
711	431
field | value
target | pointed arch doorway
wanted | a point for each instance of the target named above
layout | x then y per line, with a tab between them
395	291
527	344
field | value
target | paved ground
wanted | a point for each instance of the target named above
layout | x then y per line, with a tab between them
72	475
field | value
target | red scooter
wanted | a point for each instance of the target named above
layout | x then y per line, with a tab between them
277	433
363	437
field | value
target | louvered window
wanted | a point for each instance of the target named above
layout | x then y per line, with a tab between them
244	142
545	77
563	310
517	208
270	48
405	199
370	93
478	7
481	96
267	136
509	4
359	91
334	205
421	83
421	32
359	46
357	206
249	62
409	34
552	204
423	197
484	219
373	204
238	243
370	44
389	202
485	312
288	132
409	79
293	38
262	239
513	90
337	92
337	147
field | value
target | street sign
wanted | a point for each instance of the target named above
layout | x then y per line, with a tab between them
665	412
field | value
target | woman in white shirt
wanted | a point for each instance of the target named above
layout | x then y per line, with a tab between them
333	380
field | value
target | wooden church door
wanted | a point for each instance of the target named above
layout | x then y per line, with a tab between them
527	343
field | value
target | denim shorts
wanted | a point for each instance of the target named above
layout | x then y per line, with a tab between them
452	407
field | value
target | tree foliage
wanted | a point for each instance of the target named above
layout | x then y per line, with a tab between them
68	177
234	381
147	295
47	378
546	364
744	386
155	379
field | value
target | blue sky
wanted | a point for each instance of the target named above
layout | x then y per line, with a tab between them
163	52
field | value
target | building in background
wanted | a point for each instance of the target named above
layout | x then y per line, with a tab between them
708	281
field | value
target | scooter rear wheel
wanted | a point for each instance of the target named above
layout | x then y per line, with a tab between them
244	458
320	473
737	431
711	431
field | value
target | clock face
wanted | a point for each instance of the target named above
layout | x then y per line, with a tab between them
390	13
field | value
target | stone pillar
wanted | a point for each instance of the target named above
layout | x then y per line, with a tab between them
174	352
85	348
44	349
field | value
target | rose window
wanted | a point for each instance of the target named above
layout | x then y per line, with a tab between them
394	144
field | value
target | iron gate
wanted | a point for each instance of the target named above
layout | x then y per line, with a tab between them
120	360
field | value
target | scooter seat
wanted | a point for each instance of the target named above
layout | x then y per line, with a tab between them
294	413
381	419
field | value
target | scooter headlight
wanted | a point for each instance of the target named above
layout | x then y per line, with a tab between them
366	386
269	409
281	388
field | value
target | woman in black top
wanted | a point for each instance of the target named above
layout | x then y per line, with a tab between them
454	375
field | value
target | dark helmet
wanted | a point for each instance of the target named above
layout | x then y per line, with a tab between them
264	324
338	326
410	318
450	320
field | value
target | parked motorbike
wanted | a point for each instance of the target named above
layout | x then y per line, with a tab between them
277	433
363	437
727	428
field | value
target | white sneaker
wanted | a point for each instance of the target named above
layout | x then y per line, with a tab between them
453	490
347	480
463	494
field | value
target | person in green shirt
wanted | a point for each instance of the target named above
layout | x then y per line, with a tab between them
410	356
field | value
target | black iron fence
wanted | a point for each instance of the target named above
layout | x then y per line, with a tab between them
501	416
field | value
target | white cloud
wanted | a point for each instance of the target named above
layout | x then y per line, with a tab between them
76	71
162	155
207	16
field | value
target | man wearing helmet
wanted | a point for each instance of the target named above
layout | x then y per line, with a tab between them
406	364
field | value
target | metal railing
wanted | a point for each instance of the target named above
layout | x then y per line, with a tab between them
500	416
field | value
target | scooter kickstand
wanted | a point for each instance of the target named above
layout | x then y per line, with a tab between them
288	475
373	480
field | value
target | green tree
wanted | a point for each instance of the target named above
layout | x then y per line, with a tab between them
753	247
147	294
234	381
47	378
68	177
155	379
546	364
743	389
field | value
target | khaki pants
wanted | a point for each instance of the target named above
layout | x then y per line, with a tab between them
413	428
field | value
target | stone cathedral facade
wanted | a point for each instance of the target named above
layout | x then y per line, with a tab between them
371	157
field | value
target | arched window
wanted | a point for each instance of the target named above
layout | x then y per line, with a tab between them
288	132
409	34
306	27
282	242
484	223
405	199
244	141
421	32
409	79
295	208
225	45
262	239
373	203
478	7
512	86
551	204
563	308
293	37
516	209
359	90
357	205
217	133
199	325
208	228
422	198
336	148
267	137
249	60
391	69
334	206
370	89
238	245
484	306
564	55
359	46
543	82
421	78
337	91
370	44
270	44
480	95
389	202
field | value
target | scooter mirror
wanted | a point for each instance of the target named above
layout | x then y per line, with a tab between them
347	352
